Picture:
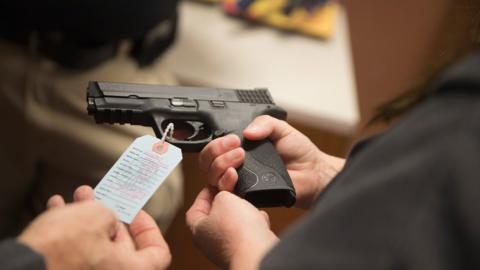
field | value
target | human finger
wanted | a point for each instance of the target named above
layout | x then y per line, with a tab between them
145	232
267	126
95	214
200	208
228	180
216	148
233	158
55	201
266	217
83	193
122	236
151	246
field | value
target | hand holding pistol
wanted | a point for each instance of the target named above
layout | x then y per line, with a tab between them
199	116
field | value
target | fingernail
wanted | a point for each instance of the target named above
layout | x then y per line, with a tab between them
229	141
221	183
234	154
253	127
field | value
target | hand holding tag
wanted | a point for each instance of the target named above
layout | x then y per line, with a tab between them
136	175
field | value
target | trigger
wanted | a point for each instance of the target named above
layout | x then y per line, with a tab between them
195	133
197	126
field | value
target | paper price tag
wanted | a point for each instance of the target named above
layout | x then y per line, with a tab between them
136	175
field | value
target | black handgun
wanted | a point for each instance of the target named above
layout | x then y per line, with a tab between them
200	115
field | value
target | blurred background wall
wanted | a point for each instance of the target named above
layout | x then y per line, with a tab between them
392	44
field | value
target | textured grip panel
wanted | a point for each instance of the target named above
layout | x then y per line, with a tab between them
263	179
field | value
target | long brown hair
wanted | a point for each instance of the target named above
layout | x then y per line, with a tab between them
460	37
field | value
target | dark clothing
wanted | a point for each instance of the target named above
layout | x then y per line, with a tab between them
84	34
16	256
104	20
408	198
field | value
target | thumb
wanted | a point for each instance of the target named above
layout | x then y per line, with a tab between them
145	232
200	208
266	217
151	246
266	126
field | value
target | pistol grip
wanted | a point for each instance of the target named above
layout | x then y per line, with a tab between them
263	179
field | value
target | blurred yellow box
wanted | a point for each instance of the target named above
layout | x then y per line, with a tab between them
319	22
261	8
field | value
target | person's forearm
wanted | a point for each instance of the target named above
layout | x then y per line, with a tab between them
327	169
333	166
17	255
250	255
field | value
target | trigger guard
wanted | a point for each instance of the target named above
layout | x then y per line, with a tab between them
194	131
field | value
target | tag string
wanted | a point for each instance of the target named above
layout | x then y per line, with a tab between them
169	128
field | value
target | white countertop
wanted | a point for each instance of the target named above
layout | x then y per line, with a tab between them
313	80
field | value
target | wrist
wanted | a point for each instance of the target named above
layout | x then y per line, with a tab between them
330	165
32	242
251	251
327	168
48	246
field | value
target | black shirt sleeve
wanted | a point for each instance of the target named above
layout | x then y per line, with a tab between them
463	161
407	199
16	256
